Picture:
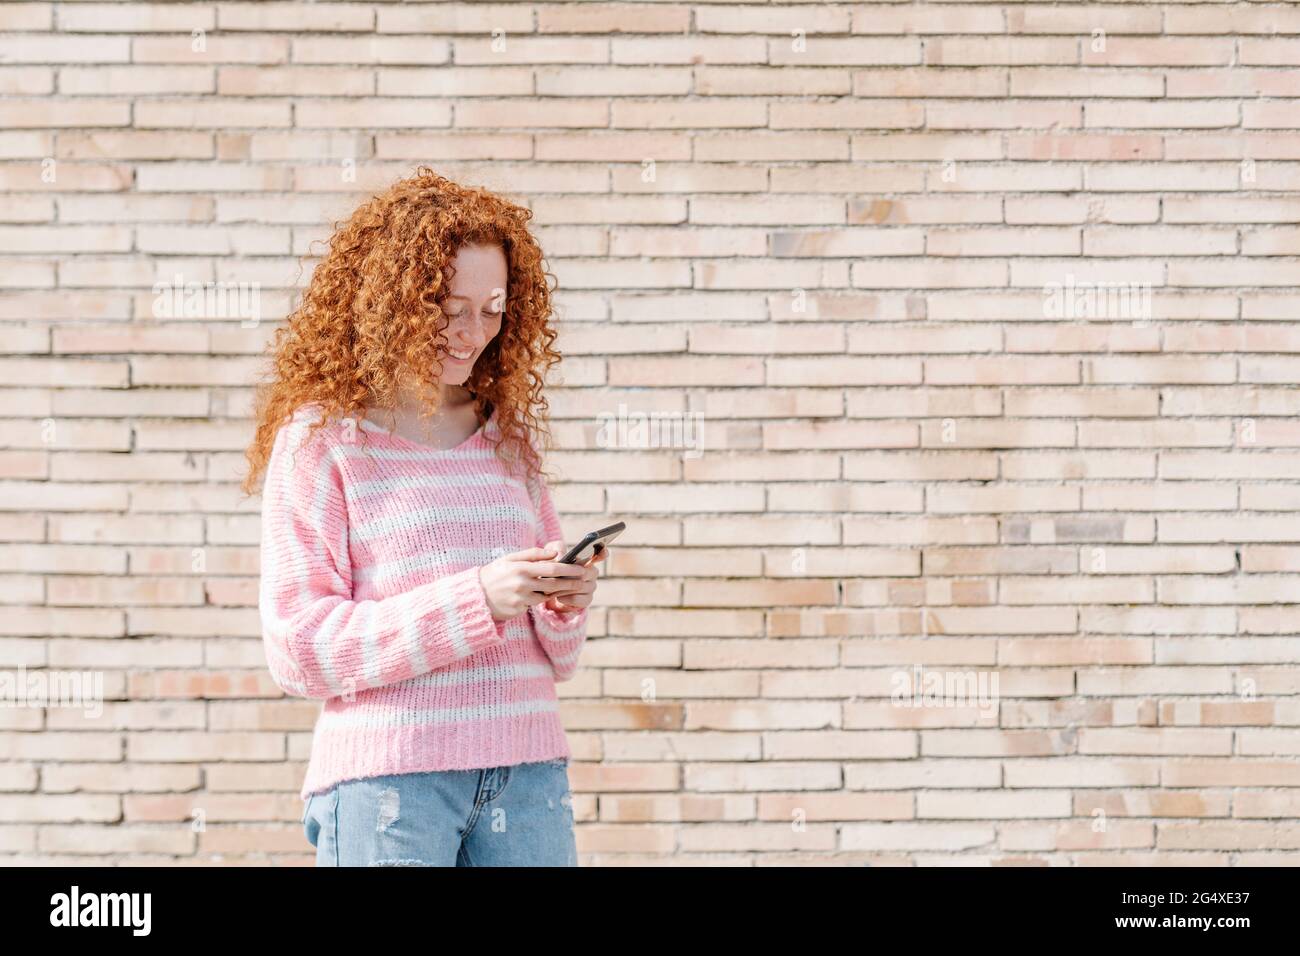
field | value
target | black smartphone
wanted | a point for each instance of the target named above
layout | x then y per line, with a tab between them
592	543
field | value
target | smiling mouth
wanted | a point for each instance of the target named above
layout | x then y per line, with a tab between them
464	356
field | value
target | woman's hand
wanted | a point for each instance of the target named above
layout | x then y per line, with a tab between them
514	581
578	592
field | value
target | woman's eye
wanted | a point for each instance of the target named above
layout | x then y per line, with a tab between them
489	319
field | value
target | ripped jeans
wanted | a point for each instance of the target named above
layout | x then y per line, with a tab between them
520	815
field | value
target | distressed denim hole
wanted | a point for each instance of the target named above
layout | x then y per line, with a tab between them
390	808
400	863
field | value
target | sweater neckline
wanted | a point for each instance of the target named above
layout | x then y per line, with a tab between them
367	425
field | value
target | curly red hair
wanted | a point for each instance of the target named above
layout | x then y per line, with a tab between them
370	320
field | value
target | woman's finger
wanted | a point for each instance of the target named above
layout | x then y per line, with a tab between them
544	570
528	554
585	586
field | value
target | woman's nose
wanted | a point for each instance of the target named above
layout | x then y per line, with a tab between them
468	332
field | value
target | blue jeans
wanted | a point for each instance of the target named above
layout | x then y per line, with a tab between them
502	816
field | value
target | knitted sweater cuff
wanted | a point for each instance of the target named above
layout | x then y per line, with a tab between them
559	623
471	614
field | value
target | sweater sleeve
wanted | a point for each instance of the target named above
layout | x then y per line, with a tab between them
561	633
320	643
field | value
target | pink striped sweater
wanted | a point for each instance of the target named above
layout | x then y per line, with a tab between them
371	602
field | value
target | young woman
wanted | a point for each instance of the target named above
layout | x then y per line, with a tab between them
409	540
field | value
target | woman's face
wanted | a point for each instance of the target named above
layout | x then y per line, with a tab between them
474	306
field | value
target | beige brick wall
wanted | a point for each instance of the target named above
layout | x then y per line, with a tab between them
989	313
